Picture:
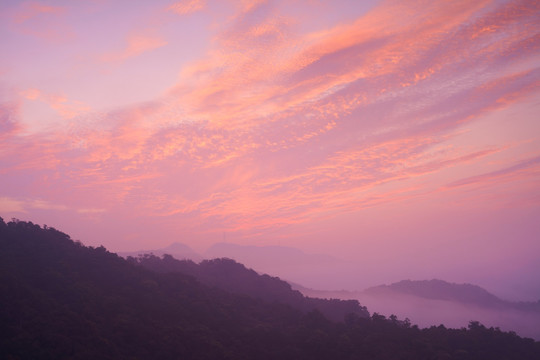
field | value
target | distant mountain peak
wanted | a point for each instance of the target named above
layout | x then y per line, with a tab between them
177	246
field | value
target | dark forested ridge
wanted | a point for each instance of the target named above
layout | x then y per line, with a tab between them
62	300
232	276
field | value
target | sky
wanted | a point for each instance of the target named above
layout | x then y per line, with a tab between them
401	135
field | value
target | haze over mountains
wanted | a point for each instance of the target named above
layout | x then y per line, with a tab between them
433	302
426	303
321	271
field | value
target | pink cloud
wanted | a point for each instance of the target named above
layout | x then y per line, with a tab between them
42	21
67	109
9	115
30	10
247	64
136	45
187	6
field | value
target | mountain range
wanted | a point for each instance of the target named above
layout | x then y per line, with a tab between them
60	299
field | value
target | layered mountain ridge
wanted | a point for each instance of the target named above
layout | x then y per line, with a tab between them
62	300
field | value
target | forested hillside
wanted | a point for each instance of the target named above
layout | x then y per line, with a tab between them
231	276
62	300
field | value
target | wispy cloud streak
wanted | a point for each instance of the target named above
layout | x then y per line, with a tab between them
510	171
